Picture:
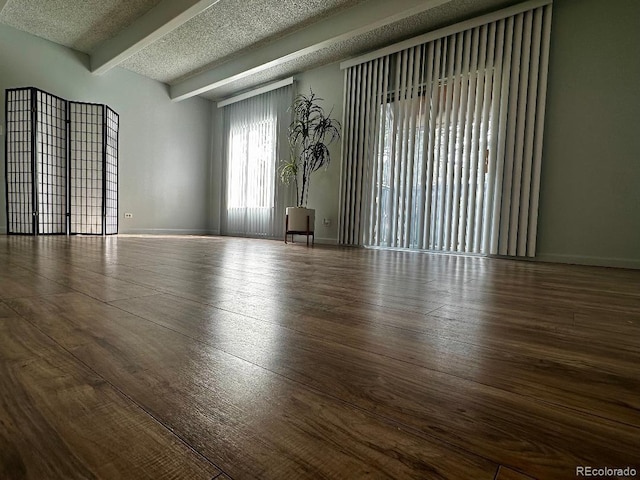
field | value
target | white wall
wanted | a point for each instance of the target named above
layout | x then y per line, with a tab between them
324	193
164	165
216	167
590	194
590	190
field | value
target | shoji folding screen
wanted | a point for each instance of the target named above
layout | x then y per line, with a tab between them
36	156
93	163
61	164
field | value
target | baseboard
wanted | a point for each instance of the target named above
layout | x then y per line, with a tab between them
154	231
165	231
177	231
326	241
587	260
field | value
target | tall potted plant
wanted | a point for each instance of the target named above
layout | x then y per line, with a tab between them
310	134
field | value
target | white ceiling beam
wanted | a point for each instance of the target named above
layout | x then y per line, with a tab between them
348	24
157	22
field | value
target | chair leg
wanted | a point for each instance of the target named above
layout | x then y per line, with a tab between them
286	227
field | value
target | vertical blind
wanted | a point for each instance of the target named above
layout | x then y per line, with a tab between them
255	136
443	141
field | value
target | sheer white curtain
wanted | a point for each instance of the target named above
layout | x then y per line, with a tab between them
443	140
253	198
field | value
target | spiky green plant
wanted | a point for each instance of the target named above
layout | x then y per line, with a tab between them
310	134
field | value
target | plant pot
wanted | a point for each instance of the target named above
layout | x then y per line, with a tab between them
297	219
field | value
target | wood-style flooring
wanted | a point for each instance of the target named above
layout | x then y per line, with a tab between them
205	357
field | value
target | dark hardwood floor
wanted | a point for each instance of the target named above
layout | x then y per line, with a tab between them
208	357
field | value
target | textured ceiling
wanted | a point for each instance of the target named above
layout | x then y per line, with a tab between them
447	14
77	24
229	29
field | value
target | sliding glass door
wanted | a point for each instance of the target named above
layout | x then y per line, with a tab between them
430	180
443	140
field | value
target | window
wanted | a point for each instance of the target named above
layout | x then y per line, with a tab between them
454	174
252	165
254	199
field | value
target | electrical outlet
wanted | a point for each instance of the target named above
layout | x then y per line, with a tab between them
128	215
326	222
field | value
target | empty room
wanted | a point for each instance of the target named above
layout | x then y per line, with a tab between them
320	239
